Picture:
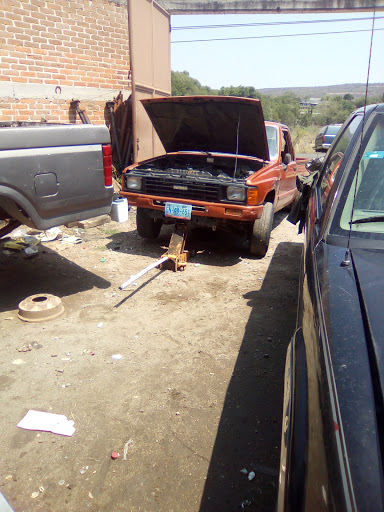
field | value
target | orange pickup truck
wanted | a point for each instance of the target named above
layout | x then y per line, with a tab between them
224	167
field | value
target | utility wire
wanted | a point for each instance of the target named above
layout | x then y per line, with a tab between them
272	23
274	36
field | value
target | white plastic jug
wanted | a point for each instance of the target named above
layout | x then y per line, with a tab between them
119	210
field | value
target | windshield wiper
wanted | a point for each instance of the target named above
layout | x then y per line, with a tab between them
364	220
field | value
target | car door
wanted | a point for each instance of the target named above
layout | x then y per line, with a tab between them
324	487
287	188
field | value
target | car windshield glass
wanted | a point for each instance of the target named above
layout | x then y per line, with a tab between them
272	141
366	193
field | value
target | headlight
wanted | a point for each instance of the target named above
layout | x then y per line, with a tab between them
133	182
235	193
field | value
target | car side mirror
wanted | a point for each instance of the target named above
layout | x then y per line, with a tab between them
287	158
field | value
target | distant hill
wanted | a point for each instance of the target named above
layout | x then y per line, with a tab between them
357	90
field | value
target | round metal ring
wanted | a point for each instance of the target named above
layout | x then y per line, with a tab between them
40	307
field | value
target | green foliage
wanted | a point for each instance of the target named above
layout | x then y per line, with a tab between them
334	110
240	91
185	85
284	109
303	138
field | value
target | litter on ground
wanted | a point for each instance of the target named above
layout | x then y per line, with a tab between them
48	422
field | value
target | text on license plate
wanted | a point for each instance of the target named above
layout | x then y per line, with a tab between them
180	211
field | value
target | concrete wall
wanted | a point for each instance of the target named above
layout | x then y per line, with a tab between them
266	6
57	50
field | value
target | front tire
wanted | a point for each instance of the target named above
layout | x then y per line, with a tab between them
147	227
261	232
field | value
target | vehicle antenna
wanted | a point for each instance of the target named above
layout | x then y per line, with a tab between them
347	260
237	147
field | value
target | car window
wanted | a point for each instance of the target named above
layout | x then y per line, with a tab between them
335	158
366	193
286	146
322	130
333	130
272	141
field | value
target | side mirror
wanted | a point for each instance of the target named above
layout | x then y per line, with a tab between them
287	158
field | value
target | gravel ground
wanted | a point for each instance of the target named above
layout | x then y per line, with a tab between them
195	397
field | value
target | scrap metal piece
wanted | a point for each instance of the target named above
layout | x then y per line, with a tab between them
81	111
116	142
40	307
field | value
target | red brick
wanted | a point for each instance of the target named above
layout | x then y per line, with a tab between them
22	24
5	112
19	67
13	16
28	74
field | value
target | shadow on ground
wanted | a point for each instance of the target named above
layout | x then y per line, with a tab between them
248	435
228	248
49	272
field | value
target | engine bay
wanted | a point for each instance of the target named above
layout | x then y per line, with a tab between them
202	167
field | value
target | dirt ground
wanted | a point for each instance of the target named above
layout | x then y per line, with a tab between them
196	396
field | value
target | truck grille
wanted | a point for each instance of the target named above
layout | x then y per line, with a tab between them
182	189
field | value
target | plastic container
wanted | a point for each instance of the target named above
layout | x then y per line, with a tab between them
119	210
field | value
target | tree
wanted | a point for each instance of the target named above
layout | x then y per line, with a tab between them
283	109
185	85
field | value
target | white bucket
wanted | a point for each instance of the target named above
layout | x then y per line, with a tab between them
119	210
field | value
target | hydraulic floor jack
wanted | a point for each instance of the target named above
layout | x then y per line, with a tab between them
175	258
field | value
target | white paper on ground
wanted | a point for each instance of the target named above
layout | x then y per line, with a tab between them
48	422
4	505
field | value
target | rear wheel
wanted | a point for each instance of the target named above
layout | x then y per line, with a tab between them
147	227
261	232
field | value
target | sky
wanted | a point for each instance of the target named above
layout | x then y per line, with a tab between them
290	61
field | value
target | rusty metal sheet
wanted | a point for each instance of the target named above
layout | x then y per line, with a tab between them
151	73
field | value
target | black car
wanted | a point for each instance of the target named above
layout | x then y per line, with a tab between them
325	137
332	447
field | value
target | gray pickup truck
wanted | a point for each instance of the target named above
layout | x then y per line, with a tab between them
52	174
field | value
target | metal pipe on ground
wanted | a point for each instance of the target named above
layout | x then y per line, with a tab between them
132	279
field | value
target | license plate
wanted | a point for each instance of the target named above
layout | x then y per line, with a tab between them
180	211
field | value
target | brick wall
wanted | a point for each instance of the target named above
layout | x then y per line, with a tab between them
52	52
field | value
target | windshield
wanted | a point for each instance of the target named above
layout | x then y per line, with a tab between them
272	141
366	192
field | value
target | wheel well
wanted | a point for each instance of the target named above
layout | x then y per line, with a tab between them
270	197
12	209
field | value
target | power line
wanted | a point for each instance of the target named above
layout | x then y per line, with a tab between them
274	36
273	23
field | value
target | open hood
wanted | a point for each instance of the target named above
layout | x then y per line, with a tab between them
214	124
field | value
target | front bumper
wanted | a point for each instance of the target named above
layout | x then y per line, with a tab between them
225	211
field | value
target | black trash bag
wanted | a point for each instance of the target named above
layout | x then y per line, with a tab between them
304	185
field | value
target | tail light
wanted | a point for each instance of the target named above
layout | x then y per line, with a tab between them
107	161
323	138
